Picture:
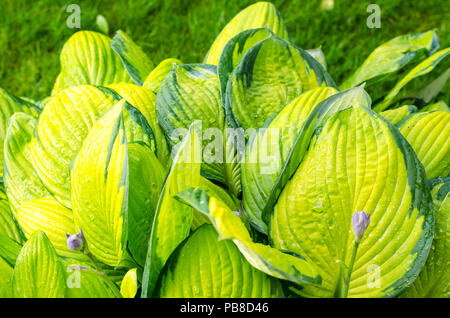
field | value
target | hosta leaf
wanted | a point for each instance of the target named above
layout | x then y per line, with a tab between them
392	56
52	218
396	115
189	93
134	59
263	257
8	224
422	68
10	104
358	162
38	272
146	176
21	180
429	136
62	127
258	15
145	101
430	91
99	182
6	272
215	191
220	271
318	54
129	285
87	58
269	75
154	80
172	221
267	152
234	50
9	250
440	105
84	282
267	168
434	279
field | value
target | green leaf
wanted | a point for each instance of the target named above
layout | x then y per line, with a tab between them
9	250
430	91
99	183
270	75
263	257
392	56
10	104
358	162
429	136
87	58
129	285
440	105
38	272
6	272
189	93
134	59
102	24
318	54
434	279
84	282
146	175
21	180
154	80
172	221
145	101
299	137
268	150
396	115
422	68
258	15
8	224
51	217
220	271
63	125
233	52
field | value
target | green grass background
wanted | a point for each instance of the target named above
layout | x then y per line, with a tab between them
32	33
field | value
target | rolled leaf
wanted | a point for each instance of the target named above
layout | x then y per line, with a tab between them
154	80
134	59
392	56
258	15
172	221
358	162
429	136
422	68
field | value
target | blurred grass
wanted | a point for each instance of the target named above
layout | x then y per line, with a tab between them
32	33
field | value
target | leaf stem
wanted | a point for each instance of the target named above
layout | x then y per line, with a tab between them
348	274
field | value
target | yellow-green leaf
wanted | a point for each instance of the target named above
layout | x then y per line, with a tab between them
154	80
38	272
258	15
397	114
429	136
358	162
87	58
99	184
129	285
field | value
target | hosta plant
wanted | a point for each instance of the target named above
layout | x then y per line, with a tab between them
251	173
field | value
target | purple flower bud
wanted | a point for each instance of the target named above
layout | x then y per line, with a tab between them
75	242
360	222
